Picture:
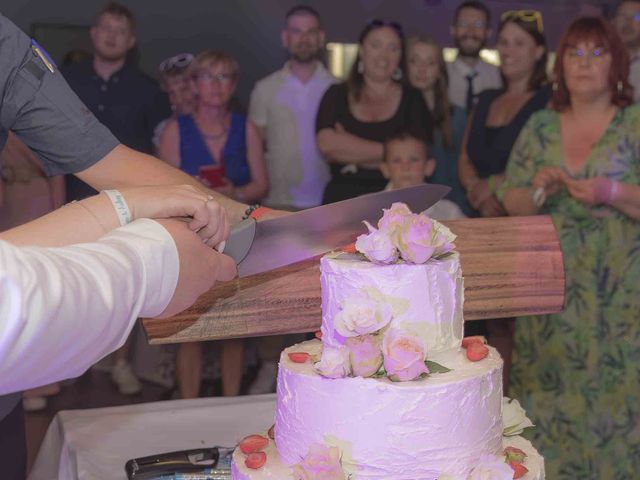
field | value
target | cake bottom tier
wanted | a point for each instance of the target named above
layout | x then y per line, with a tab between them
385	429
275	469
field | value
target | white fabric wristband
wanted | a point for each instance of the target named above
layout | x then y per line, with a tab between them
120	205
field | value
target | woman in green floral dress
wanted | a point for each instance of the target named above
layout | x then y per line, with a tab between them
578	372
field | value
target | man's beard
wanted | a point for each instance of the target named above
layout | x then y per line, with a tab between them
467	51
304	55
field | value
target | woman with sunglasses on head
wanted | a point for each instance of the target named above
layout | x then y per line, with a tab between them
356	116
491	131
224	150
577	372
500	114
174	81
427	72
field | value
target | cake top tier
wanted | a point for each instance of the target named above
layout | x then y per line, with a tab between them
404	290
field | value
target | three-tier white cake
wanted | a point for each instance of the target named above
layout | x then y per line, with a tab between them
389	392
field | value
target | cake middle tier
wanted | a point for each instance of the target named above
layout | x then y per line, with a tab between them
424	299
384	429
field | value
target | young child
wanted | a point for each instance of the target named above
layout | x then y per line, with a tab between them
406	163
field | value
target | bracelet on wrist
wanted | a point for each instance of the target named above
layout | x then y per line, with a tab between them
255	211
120	205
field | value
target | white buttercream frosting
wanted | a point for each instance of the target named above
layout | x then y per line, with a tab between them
426	299
401	430
275	469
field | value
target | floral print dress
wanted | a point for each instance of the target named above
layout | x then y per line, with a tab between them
577	373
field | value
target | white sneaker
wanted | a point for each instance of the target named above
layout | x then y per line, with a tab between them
123	376
265	381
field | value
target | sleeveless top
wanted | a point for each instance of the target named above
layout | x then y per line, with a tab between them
195	154
489	148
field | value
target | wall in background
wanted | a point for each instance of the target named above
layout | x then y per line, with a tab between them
250	29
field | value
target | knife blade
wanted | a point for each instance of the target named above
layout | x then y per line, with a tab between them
262	246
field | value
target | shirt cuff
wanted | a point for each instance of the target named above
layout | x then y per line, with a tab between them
159	257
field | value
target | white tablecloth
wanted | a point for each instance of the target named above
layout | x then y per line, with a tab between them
95	444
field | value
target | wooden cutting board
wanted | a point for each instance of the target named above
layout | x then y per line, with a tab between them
512	266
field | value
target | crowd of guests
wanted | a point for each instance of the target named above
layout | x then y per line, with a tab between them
513	140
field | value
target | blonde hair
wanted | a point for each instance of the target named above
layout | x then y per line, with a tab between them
208	58
441	113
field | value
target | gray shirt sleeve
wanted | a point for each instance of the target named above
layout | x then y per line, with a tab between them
39	106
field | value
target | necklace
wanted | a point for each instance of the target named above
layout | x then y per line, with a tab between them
216	136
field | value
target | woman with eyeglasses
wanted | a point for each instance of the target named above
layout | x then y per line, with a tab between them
356	116
427	72
577	372
223	149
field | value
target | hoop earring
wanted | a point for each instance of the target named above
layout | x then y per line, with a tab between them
620	86
397	74
360	67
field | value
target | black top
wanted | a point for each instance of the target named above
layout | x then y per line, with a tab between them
412	115
129	103
489	148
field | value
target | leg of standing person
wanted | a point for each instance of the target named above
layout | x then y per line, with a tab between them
189	369
500	335
232	366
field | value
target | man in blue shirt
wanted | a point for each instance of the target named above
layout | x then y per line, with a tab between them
126	101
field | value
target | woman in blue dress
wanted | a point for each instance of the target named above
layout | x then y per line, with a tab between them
223	149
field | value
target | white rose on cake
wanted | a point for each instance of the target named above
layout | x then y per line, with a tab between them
491	467
377	246
334	362
393	218
362	315
321	463
443	238
514	418
404	356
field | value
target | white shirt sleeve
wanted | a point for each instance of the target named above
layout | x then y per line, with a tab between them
258	106
63	309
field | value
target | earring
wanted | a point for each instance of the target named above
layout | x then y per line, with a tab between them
360	67
620	86
397	74
554	86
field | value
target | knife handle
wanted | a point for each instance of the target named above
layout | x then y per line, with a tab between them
240	238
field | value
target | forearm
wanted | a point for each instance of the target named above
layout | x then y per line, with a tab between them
251	192
342	147
63	309
627	200
467	172
124	167
518	202
77	222
57	188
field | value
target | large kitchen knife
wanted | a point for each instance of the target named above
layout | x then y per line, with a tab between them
262	246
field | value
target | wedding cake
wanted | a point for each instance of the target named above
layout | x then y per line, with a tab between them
390	389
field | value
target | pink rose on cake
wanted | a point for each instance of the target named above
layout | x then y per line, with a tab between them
361	315
404	356
393	218
414	239
365	355
334	362
491	467
321	463
377	246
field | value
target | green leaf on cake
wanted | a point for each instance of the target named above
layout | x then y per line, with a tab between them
435	367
